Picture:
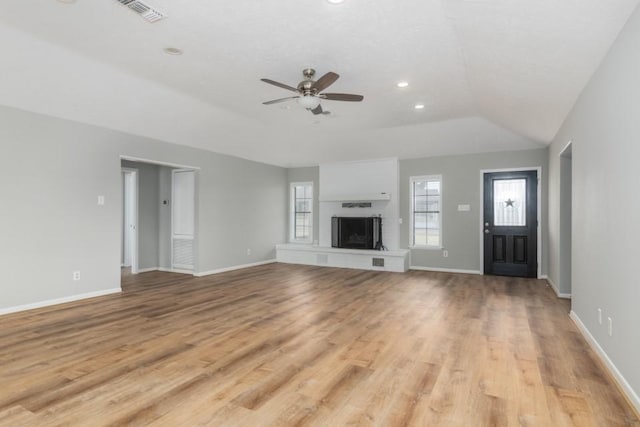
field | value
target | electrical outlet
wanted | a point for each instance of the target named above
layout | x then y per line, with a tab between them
445	253
76	276
610	326
248	251
399	220
600	316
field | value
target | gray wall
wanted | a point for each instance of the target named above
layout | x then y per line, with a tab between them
461	185
605	128
308	174
55	169
148	222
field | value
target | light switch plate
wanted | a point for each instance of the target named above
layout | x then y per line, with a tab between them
464	208
100	200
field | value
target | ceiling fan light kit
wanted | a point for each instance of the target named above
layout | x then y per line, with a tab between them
309	101
309	91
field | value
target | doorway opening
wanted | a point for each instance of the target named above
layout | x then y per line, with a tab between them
510	227
565	220
159	223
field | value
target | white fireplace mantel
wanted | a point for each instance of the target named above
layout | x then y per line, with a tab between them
374	197
374	181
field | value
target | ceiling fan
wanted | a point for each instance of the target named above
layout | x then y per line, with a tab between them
309	91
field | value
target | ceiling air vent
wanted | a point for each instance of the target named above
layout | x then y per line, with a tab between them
147	12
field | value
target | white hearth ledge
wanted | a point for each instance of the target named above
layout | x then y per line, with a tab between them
396	260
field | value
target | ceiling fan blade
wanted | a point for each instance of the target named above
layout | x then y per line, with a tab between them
317	110
342	97
325	81
275	101
282	85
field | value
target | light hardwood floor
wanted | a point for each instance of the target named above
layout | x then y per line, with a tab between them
283	345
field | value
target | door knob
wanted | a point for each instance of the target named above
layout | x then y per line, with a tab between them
486	231
486	224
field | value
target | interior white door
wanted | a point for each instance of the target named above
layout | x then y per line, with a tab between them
130	220
183	219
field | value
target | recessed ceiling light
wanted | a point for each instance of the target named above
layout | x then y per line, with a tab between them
402	84
335	1
419	106
172	51
67	1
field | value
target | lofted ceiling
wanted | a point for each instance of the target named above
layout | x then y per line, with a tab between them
493	74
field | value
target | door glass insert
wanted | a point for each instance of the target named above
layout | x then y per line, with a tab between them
510	202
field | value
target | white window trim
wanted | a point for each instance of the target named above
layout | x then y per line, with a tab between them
292	211
412	180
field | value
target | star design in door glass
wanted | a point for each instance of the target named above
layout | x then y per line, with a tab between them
509	203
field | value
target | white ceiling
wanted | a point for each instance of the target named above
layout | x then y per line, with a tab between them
494	74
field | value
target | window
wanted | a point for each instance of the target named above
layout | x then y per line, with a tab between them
301	219
426	211
510	202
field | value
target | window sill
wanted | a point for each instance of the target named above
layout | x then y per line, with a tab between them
427	248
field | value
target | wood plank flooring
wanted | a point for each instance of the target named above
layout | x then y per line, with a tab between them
284	345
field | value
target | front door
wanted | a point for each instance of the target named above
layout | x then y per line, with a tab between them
510	225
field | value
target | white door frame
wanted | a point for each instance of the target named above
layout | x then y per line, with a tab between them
134	214
196	202
157	162
538	170
565	224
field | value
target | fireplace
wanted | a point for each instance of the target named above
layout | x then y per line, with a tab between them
356	232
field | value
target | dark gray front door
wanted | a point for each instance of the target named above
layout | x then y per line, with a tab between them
510	225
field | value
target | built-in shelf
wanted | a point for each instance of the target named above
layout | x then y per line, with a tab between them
357	198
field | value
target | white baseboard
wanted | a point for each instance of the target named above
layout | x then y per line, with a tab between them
56	301
622	383
445	270
175	270
235	267
555	287
146	270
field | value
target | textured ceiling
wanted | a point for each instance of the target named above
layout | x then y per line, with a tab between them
494	74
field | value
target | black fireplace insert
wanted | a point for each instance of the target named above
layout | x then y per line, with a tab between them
356	232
